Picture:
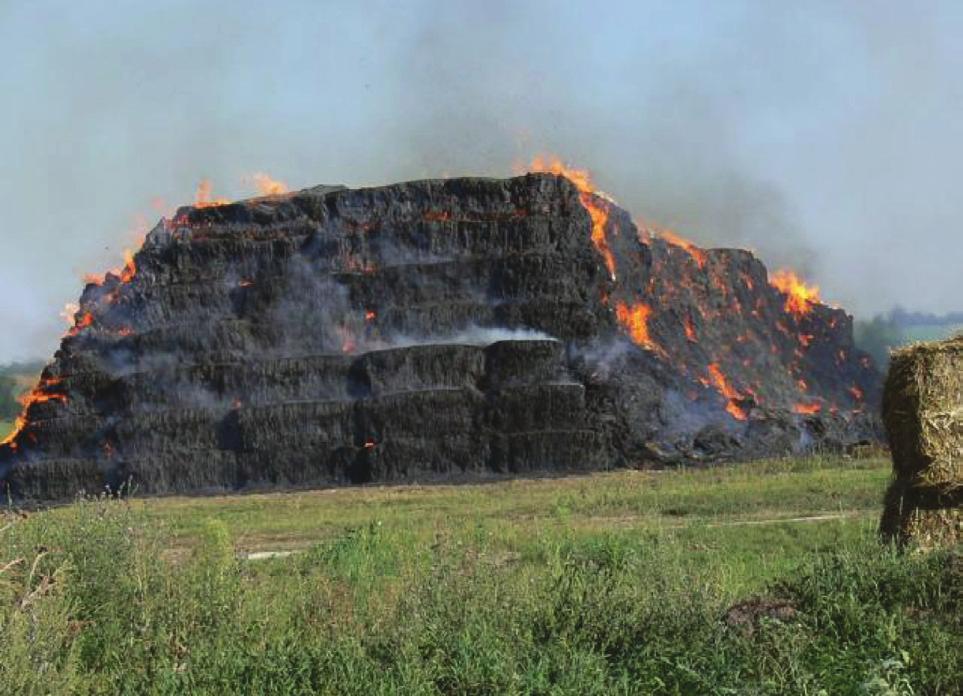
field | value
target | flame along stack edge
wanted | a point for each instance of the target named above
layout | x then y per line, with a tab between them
431	330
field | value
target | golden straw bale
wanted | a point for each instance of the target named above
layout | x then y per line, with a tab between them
923	413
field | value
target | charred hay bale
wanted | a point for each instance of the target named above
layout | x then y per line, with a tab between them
923	413
538	406
311	424
425	458
56	478
414	368
170	471
563	450
423	413
524	362
62	436
293	464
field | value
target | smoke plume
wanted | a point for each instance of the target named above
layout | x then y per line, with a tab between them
824	136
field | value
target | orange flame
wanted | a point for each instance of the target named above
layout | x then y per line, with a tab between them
635	319
202	197
369	315
18	427
856	392
130	268
800	297
697	254
690	331
369	444
722	384
266	186
126	272
38	395
807	409
81	321
589	197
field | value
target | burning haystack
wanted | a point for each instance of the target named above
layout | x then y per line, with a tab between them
431	329
923	413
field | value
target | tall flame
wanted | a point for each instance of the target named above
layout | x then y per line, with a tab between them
203	197
800	297
690	330
266	186
130	268
721	382
635	319
81	321
38	395
589	197
126	274
697	254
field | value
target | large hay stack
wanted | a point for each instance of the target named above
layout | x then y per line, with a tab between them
923	413
429	330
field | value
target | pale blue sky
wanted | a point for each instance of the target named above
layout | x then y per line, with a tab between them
825	135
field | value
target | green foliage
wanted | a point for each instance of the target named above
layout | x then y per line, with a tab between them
100	597
9	406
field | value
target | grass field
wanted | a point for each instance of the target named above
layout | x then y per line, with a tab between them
613	583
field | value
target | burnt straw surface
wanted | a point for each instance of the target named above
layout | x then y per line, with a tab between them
427	330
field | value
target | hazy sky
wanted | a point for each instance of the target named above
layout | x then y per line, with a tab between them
828	135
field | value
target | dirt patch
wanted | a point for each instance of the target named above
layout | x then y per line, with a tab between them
746	617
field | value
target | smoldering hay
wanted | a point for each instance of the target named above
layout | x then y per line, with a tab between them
433	329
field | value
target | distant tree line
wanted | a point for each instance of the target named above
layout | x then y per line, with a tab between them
903	317
8	402
897	327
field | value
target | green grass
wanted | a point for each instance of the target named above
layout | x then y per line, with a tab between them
612	583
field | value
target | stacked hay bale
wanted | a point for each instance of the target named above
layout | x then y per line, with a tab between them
923	413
